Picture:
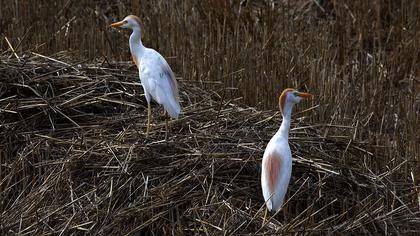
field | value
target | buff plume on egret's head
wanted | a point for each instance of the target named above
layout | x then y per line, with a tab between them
291	95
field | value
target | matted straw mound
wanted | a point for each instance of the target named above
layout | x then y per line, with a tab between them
75	159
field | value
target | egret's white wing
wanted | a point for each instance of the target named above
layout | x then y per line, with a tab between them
269	178
275	175
160	82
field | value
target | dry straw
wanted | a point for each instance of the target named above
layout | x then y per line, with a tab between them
75	159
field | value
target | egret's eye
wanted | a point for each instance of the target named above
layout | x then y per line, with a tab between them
125	22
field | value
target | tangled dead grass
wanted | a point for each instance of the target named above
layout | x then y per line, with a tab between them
75	159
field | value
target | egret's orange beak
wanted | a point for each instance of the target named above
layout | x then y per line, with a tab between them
118	24
304	95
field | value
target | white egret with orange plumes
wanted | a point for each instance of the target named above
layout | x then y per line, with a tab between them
277	159
156	76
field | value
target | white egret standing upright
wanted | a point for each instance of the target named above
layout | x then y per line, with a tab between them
156	76
277	159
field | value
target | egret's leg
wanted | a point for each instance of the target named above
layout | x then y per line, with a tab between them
286	212
149	116
265	215
166	124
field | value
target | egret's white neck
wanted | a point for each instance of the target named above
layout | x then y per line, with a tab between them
285	124
136	46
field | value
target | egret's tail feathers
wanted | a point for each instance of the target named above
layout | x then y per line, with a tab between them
169	99
173	108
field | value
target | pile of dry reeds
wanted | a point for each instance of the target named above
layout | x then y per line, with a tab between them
75	159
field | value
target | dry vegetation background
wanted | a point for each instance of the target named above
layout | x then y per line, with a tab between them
73	154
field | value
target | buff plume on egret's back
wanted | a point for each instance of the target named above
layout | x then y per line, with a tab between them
155	74
277	159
